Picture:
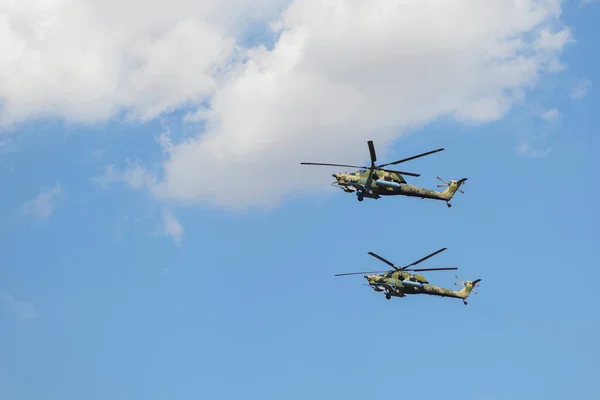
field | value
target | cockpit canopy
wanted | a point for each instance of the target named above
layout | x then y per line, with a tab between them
355	173
401	276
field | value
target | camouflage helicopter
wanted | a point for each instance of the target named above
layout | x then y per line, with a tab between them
399	281
375	181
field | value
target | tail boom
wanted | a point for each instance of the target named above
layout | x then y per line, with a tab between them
391	187
443	292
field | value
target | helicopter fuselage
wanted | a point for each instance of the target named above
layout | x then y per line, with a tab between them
403	280
376	181
400	288
384	184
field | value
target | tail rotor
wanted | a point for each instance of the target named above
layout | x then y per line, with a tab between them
475	284
467	289
462	283
446	184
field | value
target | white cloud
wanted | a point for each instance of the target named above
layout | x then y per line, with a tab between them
344	72
171	226
551	115
87	60
135	175
43	205
341	72
553	41
527	148
582	88
22	309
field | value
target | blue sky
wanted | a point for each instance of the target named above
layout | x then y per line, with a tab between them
99	303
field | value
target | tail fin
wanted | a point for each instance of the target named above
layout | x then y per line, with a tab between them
467	289
451	188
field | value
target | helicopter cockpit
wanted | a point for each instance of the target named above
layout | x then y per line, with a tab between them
356	173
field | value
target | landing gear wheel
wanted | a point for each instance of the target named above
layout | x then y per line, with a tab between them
449	205
465	303
359	197
388	296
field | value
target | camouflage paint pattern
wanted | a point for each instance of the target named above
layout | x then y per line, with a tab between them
399	284
403	275
384	183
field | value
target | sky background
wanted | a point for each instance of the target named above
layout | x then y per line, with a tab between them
112	289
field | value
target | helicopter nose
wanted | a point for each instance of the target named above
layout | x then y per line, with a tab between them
335	175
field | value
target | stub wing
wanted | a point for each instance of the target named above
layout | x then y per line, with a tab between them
392	289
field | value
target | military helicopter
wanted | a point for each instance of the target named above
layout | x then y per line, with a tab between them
375	181
400	281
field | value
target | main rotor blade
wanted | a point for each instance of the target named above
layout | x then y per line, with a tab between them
432	269
372	152
424	258
382	259
401	172
358	273
413	157
333	165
